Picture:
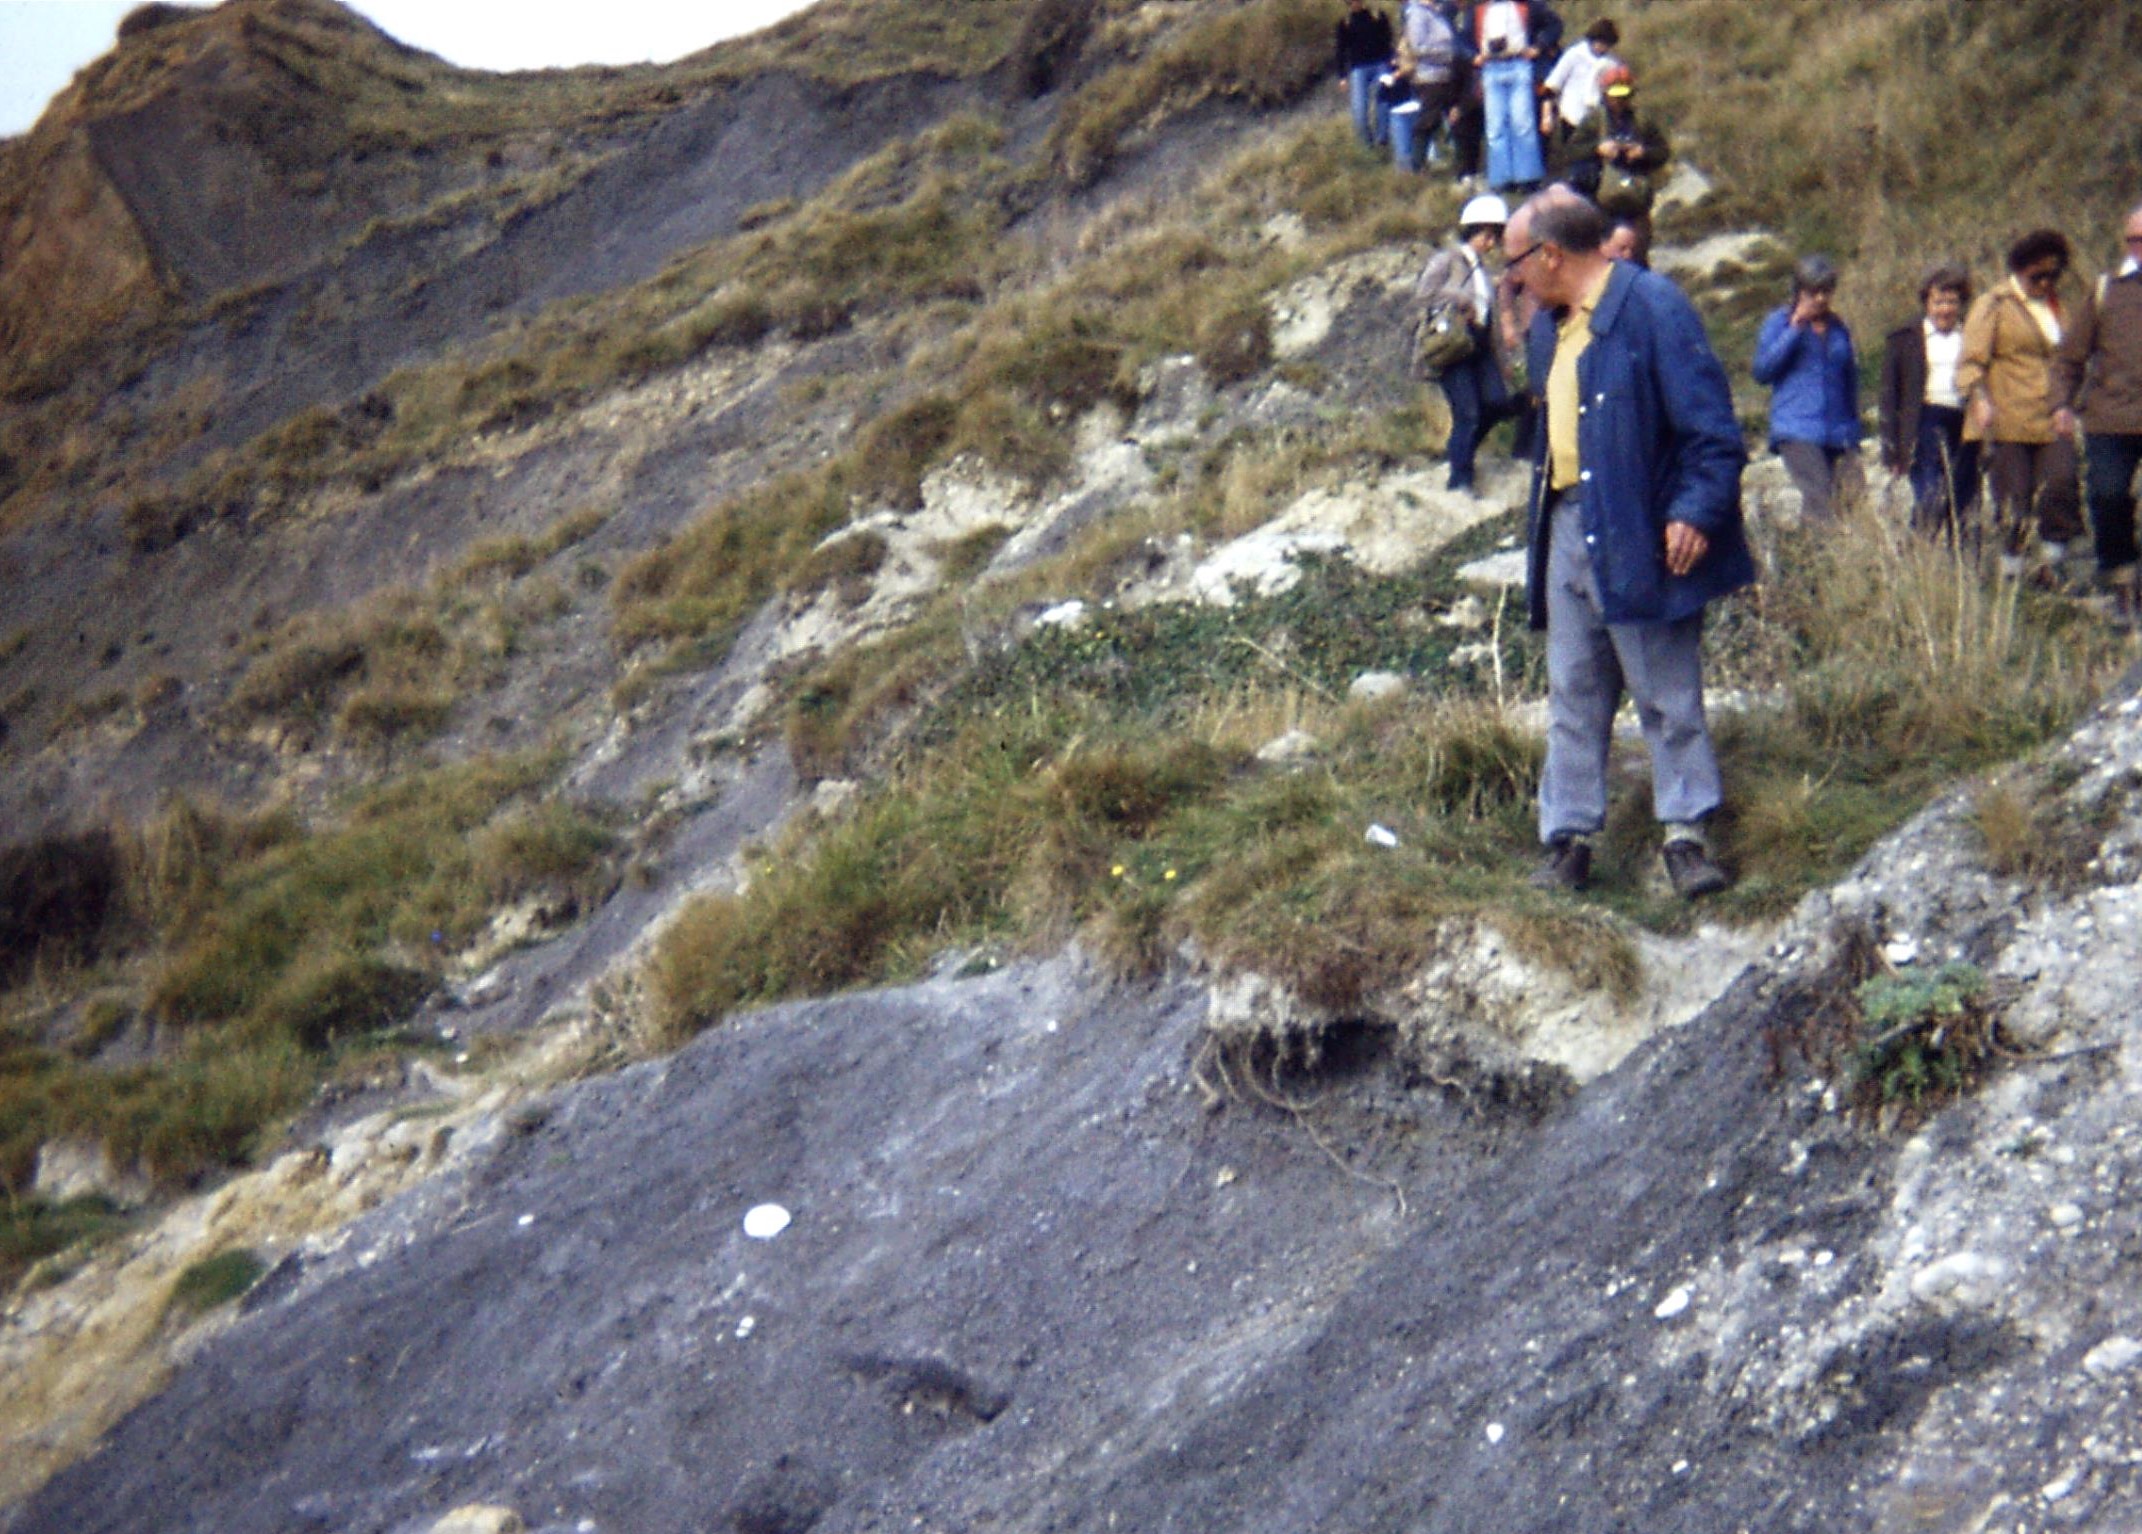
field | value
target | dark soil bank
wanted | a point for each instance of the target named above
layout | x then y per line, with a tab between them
1034	1283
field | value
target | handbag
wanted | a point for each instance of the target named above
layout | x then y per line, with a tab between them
1442	338
1624	191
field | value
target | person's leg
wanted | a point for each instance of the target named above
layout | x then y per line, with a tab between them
1499	88
2008	480
1848	479
1361	97
1663	666
1809	465
1461	387
1528	163
1405	120
2056	485
2112	460
1935	471
1583	688
1466	135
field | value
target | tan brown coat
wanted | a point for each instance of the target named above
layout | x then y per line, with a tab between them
2006	358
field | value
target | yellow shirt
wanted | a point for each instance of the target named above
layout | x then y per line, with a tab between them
1571	337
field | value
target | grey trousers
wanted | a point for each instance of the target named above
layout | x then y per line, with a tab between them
1823	476
1589	663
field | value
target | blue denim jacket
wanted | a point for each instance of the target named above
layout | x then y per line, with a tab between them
1814	379
1659	444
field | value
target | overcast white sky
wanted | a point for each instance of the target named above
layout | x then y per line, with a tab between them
43	42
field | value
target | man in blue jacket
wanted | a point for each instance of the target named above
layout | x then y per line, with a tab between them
1635	527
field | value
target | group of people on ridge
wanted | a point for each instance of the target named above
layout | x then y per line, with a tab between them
1489	87
1627	417
1996	385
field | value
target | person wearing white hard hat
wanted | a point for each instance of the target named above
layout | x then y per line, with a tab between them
1457	278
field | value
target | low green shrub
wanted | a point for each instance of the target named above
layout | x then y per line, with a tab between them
215	1281
1924	1036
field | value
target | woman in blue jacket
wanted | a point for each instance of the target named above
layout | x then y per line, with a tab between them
1805	355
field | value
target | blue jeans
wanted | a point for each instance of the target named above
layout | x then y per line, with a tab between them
1361	95
1513	124
1944	472
2111	460
1409	136
1478	399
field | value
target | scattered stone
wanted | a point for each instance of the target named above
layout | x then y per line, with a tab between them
1700	262
834	798
1480	654
2065	1216
1674	1303
765	1221
71	1169
1494	1432
1292	747
2115	1355
1963	1278
1175	395
1685	187
1069	615
1262	564
1382	836
1901	951
1497	572
477	1518
1375	686
1468	612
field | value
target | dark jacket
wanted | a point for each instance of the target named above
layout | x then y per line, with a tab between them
1903	395
2099	363
1364	38
1814	381
1582	150
1659	444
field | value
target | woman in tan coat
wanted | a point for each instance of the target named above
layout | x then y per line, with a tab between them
2005	375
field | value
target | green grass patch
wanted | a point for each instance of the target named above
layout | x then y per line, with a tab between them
35	1233
270	949
214	1282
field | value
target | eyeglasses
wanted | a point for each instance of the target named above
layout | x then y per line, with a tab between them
1526	255
2134	239
2045	274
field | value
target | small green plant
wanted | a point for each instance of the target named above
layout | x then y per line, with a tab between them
1924	1036
214	1281
35	1233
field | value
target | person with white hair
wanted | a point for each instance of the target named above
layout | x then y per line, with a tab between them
2097	383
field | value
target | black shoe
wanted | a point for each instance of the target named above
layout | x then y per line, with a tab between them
1566	867
1692	871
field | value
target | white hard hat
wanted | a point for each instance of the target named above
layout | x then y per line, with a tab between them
1488	209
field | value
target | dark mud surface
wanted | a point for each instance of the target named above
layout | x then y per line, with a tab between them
1034	1283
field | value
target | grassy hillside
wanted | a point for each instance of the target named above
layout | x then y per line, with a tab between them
1099	783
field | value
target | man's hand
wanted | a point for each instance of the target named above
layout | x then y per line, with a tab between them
1685	547
2064	421
1982	413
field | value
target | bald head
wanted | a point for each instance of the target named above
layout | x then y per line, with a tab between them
1552	244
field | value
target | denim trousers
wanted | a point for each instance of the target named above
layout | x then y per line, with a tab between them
1944	472
1513	124
1361	95
1589	665
1478	398
1409	138
2111	459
